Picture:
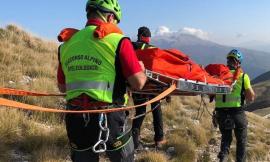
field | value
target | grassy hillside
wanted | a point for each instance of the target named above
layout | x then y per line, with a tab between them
195	139
262	101
262	90
263	112
261	78
29	63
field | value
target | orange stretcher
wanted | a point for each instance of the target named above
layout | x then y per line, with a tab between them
165	67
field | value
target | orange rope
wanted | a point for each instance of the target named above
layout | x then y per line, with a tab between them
14	104
8	91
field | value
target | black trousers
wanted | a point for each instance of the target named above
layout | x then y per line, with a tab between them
157	116
229	120
83	131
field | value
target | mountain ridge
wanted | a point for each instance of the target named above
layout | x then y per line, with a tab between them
261	78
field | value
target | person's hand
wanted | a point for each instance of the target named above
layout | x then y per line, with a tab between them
142	66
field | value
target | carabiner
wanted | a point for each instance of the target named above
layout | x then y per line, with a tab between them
103	147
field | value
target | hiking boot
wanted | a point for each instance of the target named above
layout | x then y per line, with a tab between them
139	147
160	143
135	135
223	157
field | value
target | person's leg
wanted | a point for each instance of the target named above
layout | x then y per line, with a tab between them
82	136
116	124
84	156
157	121
137	123
241	136
226	140
226	136
125	154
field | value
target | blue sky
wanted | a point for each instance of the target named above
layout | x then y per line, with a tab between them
224	21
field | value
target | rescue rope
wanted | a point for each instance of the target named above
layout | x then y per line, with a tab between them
144	114
14	104
15	92
204	107
199	115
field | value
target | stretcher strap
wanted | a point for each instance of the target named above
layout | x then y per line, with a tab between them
8	91
14	104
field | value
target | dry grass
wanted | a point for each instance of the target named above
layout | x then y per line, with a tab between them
24	55
263	112
28	135
184	132
259	137
9	131
41	135
29	63
257	152
12	123
190	133
184	148
152	157
50	154
187	118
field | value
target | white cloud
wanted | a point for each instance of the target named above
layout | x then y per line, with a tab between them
196	32
166	31
162	30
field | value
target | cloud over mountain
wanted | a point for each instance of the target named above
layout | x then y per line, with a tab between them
163	30
195	32
166	31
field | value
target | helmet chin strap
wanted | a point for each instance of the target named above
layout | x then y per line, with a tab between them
106	19
231	67
102	16
234	65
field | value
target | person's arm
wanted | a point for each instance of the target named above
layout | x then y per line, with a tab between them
249	93
132	69
61	82
137	81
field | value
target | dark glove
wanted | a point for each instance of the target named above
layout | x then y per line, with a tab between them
211	98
